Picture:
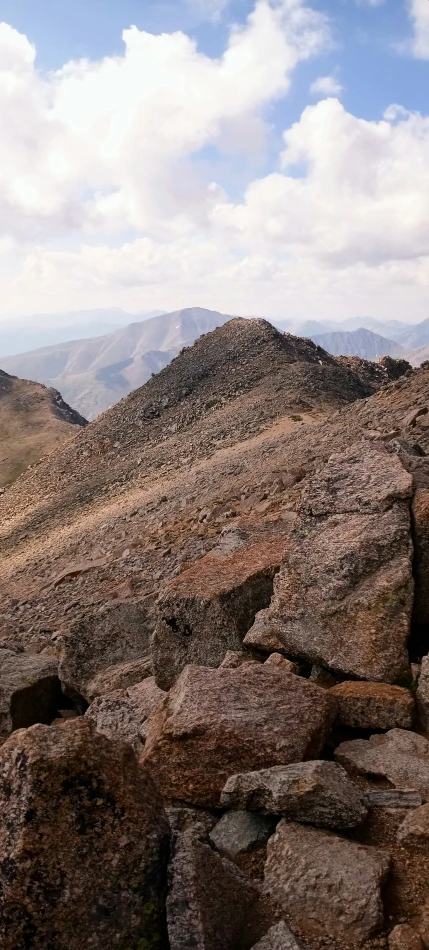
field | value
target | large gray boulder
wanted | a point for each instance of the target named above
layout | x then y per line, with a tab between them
30	691
399	756
240	832
318	793
83	843
206	611
348	567
215	723
328	886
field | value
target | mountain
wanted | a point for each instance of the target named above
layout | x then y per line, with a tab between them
363	343
21	334
415	336
94	374
33	422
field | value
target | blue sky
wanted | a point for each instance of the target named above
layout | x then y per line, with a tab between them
223	185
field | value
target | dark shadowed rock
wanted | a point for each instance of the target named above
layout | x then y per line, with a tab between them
30	691
319	793
239	832
83	840
210	904
279	937
414	831
122	715
392	798
422	694
420	515
215	723
404	937
93	646
399	756
373	705
208	609
348	567
326	885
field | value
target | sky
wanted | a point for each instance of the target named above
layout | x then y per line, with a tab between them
258	157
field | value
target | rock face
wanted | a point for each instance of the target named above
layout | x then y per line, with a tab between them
327	885
404	937
30	691
401	757
122	714
423	694
279	937
89	820
118	635
208	609
210	904
373	706
420	515
239	832
317	793
348	567
414	831
215	723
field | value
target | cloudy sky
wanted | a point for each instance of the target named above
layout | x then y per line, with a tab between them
264	157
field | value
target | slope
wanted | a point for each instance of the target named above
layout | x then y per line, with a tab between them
33	422
212	444
361	342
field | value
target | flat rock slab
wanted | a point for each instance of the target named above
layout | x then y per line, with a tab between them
327	886
102	641
279	937
392	798
399	756
30	691
318	793
348	567
122	714
414	830
215	723
208	609
84	843
373	705
239	832
211	905
122	676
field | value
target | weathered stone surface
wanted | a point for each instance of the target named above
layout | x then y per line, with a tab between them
210	904
420	516
215	723
197	820
318	793
422	694
30	691
278	660
121	715
108	639
404	937
83	840
373	705
414	831
235	658
122	676
279	937
348	567
208	609
401	757
328	886
392	798
239	832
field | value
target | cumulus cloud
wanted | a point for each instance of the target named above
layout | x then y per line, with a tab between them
326	86
419	13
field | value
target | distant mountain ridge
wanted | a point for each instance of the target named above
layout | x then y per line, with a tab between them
361	342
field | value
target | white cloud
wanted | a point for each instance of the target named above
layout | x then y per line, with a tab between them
419	13
326	86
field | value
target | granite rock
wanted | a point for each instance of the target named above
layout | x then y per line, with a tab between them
373	705
400	757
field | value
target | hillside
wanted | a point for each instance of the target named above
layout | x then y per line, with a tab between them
94	374
23	334
363	343
34	421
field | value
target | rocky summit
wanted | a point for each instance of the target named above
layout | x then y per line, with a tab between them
214	661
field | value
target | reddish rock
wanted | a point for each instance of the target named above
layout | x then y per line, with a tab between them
123	714
83	841
215	723
373	705
414	830
399	756
404	937
420	515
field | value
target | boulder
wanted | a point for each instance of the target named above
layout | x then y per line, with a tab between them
404	937
328	886
317	793
239	832
278	660
84	843
392	798
399	756
373	705
122	714
30	691
119	677
215	723
422	694
115	636
210	904
206	611
420	515
279	937
348	566
235	658
414	830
